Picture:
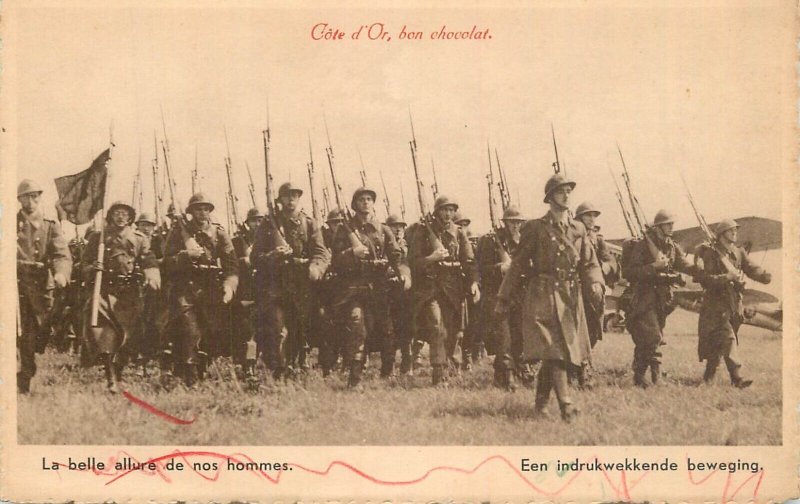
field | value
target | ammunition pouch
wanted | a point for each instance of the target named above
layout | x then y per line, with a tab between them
670	278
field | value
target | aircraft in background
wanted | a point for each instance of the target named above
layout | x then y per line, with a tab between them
761	309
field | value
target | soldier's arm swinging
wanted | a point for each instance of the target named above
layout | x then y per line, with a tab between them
519	264
60	257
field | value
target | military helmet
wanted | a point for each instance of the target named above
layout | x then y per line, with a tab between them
513	213
359	192
335	215
585	208
121	204
287	188
443	201
146	217
254	213
461	220
663	217
28	186
199	199
171	210
395	220
725	225
554	183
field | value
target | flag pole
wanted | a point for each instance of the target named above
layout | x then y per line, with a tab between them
98	276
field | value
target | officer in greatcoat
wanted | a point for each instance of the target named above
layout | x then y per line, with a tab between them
555	255
723	266
43	262
128	265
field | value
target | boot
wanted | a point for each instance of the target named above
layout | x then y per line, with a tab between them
543	387
568	411
500	379
405	365
190	375
711	370
655	372
387	369
23	383
437	375
736	379
510	382
638	377
355	374
108	369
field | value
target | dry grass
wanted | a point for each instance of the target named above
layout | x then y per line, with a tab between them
70	406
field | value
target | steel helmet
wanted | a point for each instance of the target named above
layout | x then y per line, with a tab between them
145	217
287	188
554	183
663	217
28	186
359	192
461	220
394	220
513	213
725	226
584	208
443	201
199	199
335	215
254	213
121	204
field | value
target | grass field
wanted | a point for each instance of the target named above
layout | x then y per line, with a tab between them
69	405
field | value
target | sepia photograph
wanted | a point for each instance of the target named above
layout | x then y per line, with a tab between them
384	228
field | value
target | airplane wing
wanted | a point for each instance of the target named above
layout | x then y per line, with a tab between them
755	234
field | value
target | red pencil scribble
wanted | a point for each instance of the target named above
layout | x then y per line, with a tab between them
728	480
152	409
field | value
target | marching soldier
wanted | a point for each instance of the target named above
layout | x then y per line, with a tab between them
400	299
722	312
201	263
651	265
441	258
332	223
243	312
555	253
470	338
127	262
288	254
503	337
42	259
328	338
365	257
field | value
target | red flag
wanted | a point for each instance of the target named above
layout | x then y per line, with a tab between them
80	196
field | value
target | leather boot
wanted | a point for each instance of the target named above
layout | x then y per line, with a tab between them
355	375
543	385
711	370
437	375
638	377
511	384
655	372
568	411
500	378
108	369
737	380
23	383
387	369
190	375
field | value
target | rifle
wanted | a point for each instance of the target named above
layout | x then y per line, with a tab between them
251	188
157	196
502	253
625	213
195	177
385	195
425	216
557	165
363	172
234	200
181	221
136	197
355	242
435	186
710	235
101	246
271	211
314	203
402	202
505	196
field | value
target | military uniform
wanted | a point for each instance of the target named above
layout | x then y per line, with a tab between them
198	316
470	335
328	338
652	298
438	291
283	288
722	312
400	305
243	304
361	306
127	262
41	252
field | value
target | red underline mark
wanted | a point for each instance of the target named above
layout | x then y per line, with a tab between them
152	409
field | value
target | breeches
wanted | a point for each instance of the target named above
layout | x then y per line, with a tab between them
440	323
281	332
647	332
362	316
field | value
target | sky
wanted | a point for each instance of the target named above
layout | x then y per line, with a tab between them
698	89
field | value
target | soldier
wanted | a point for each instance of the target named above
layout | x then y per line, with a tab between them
504	337
365	257
555	253
201	263
470	339
145	224
127	260
722	313
442	260
148	339
328	338
43	259
288	254
245	348
651	266
400	299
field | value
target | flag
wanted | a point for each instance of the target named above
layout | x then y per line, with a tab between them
80	196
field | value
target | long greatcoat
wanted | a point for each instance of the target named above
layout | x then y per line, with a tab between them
722	312
556	260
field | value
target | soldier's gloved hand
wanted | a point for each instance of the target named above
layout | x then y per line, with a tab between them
227	294
476	292
439	255
661	263
766	277
153	283
501	309
315	273
61	280
597	294
360	251
406	282
504	267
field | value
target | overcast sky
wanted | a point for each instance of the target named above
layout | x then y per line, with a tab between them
700	89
